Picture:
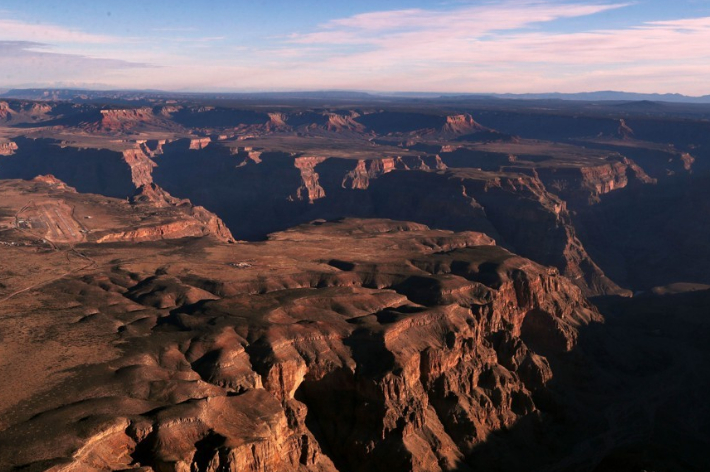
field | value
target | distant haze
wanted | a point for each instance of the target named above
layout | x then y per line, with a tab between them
516	46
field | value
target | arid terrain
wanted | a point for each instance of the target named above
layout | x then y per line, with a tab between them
346	283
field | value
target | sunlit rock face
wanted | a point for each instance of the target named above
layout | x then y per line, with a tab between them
192	286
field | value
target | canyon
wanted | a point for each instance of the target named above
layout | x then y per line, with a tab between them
403	285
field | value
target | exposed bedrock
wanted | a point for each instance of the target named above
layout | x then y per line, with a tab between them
257	192
583	186
515	209
7	148
373	361
256	195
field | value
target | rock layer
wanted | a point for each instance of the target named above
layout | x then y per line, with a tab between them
371	361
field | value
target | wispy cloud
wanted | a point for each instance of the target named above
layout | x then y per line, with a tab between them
490	46
25	61
14	30
509	46
462	23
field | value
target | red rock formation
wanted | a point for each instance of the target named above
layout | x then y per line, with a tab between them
169	110
538	224
246	156
119	120
8	148
212	224
152	148
141	166
54	182
277	121
687	160
310	188
173	230
584	185
462	124
368	169
130	120
374	361
193	221
199	143
40	110
5	111
338	122
359	178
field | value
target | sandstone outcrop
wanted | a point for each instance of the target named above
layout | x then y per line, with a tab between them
581	161
128	121
141	166
192	221
8	148
368	169
199	143
310	189
5	111
462	124
584	185
340	122
119	120
54	182
277	121
349	335
378	345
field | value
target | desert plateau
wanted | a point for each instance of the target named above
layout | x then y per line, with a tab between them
425	285
400	236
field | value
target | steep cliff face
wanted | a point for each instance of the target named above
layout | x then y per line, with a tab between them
173	230
190	220
434	383
277	121
367	361
198	221
169	110
516	209
151	147
462	124
126	121
341	122
5	111
524	215
369	169
141	166
119	120
199	143
536	223
212	224
8	148
184	228
310	189
584	185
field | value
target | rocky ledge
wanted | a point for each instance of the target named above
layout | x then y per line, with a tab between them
352	345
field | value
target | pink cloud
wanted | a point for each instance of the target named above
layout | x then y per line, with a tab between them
13	30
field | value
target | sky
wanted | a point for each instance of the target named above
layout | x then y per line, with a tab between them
448	46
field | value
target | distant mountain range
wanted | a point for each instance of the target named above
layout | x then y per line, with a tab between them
603	96
93	95
129	95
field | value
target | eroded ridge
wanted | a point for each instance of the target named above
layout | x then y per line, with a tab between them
351	345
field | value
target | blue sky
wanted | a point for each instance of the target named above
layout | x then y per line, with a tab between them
400	45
